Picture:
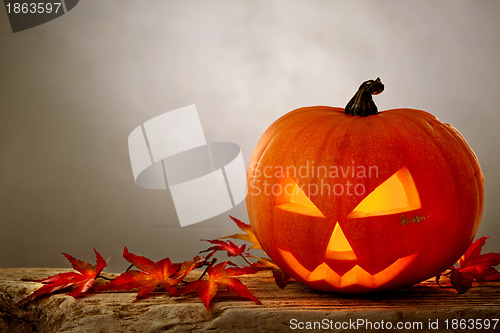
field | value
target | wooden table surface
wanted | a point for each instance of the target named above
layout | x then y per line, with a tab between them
292	309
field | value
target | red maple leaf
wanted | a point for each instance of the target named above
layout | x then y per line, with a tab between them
461	281
281	278
220	276
150	275
232	249
248	236
80	282
474	266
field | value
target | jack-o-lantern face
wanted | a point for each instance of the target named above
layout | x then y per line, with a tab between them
403	205
398	194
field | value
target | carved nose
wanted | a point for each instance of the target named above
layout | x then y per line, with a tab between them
338	247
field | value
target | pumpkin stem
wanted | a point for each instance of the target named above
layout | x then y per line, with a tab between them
362	104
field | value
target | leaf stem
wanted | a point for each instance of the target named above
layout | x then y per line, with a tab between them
248	262
103	277
206	269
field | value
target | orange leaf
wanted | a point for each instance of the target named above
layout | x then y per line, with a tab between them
248	236
461	281
264	262
151	275
232	249
79	283
280	277
220	276
486	274
474	266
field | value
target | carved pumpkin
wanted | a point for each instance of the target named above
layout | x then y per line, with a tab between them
358	200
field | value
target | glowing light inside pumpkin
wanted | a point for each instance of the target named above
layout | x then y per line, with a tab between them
293	199
338	247
355	276
397	194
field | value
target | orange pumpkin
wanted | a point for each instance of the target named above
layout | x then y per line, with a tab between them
358	200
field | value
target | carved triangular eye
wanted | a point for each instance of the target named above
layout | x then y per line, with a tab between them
397	194
293	199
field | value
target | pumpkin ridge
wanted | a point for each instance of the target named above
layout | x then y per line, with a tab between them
289	152
343	124
450	167
276	136
472	163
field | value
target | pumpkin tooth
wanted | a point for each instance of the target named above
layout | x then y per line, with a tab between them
355	276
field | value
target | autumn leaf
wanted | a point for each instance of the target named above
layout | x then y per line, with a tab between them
149	277
79	282
473	258
461	281
232	249
474	266
264	262
188	266
248	236
281	278
220	276
486	274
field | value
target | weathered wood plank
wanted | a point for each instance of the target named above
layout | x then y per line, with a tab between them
120	312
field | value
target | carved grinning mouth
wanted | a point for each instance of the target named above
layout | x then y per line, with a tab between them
356	276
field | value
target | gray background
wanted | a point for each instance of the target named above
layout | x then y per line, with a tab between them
73	89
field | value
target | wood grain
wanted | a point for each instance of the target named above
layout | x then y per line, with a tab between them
121	312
